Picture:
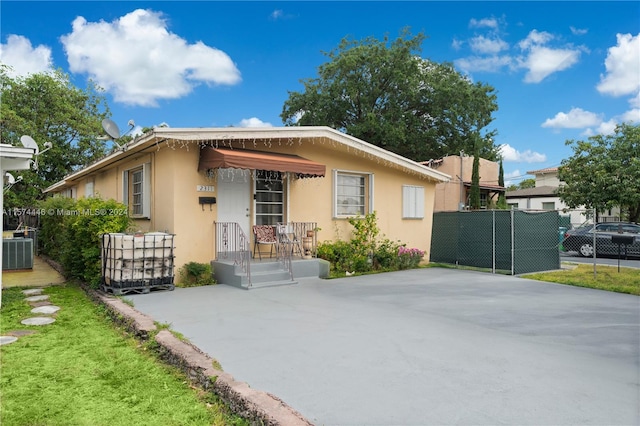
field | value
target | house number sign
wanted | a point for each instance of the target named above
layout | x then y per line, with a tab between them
205	188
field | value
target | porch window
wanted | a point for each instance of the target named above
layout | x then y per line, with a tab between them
136	191
269	197
353	193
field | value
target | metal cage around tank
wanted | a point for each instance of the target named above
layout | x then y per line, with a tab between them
137	263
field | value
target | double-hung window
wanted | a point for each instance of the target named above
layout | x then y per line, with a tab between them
353	193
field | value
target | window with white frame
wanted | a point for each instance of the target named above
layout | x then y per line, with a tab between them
549	205
136	190
353	193
89	189
412	202
269	197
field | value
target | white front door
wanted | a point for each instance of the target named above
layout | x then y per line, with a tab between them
234	197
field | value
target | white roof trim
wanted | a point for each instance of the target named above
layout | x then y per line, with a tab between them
229	134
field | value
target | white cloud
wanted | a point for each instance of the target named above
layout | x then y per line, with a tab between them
483	23
577	118
635	101
578	31
457	44
23	58
514	174
623	67
509	153
543	61
535	38
276	14
137	59
482	44
253	122
607	127
633	115
486	64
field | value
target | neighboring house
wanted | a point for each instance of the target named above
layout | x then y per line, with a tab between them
544	196
454	194
182	180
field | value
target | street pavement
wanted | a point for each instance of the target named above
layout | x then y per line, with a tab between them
422	347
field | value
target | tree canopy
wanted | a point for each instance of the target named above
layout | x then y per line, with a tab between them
49	108
604	172
381	91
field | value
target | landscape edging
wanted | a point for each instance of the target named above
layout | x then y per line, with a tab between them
260	408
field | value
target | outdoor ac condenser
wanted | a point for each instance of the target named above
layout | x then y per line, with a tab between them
17	253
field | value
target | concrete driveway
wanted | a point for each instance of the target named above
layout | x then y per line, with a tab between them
423	347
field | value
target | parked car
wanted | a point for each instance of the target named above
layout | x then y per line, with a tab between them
581	239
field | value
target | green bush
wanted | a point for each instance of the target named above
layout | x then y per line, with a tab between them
365	252
71	231
194	274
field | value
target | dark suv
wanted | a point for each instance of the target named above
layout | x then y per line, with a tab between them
581	239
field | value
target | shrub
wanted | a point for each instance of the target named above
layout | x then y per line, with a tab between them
365	252
409	257
194	274
71	232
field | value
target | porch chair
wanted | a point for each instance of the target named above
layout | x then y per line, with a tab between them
288	239
264	234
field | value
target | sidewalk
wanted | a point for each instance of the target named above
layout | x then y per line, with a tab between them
42	274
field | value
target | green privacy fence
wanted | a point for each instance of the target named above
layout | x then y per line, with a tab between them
510	241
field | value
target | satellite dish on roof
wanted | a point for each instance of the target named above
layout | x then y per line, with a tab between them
9	179
28	142
111	128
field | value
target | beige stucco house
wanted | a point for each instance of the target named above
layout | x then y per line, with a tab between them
182	180
453	195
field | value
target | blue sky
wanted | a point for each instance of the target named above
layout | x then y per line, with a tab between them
562	70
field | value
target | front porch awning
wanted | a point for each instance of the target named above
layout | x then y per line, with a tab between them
214	158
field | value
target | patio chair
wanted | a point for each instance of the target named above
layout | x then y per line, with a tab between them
264	234
288	239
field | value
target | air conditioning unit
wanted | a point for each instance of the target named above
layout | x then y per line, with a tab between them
17	253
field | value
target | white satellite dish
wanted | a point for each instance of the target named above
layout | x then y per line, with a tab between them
9	181
28	142
113	132
111	128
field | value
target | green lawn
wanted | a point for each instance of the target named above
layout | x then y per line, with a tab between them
606	278
81	370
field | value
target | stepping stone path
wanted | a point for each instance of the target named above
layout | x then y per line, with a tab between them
47	310
37	298
5	340
43	306
38	321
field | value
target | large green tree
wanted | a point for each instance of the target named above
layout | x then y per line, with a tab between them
49	108
383	92
604	172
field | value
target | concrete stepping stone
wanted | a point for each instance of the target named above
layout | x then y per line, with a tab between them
38	304
5	340
20	333
33	292
47	309
37	298
38	321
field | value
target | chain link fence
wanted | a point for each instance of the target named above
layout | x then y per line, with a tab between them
504	241
613	237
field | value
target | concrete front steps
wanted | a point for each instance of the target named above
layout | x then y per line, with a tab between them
267	273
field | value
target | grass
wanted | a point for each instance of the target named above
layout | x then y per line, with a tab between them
607	278
81	370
